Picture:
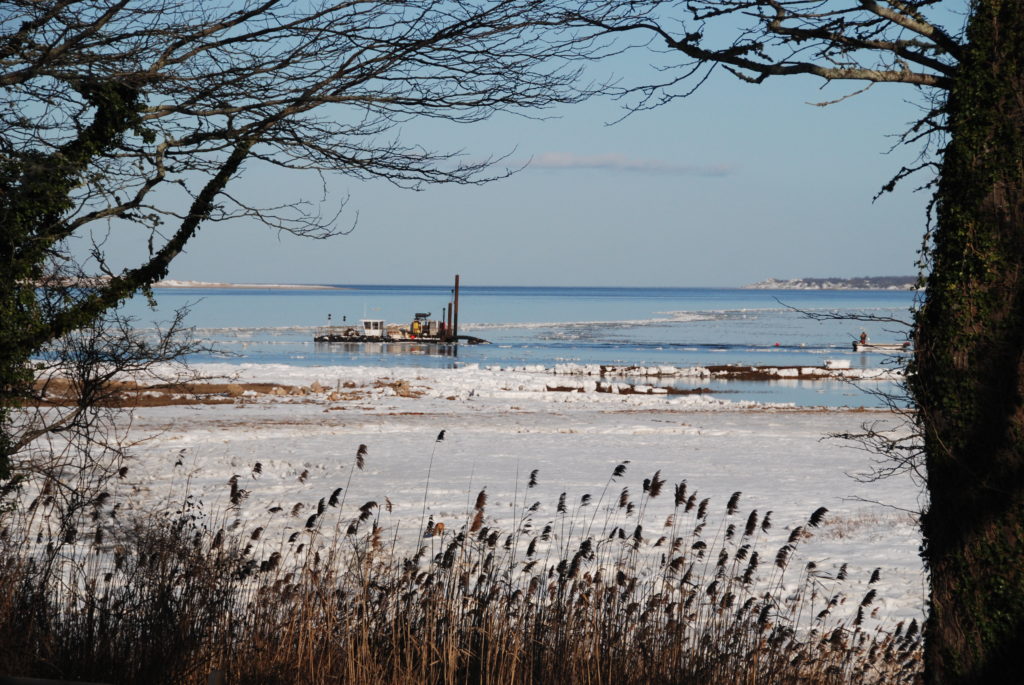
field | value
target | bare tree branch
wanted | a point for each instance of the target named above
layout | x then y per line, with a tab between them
862	40
138	115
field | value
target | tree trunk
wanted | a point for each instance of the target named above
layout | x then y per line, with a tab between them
968	373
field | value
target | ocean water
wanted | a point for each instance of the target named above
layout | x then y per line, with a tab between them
548	326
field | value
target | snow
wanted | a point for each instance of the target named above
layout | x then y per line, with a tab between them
837	370
500	425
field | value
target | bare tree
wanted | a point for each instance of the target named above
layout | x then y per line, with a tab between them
896	448
137	115
877	41
70	438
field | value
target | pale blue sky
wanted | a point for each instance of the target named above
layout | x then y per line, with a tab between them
733	185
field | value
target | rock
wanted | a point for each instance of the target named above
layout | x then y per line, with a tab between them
334	396
316	387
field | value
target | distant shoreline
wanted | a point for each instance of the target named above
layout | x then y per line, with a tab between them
862	283
879	283
243	286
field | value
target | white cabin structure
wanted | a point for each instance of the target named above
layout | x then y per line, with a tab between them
373	328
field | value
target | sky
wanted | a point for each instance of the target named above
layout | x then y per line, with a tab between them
735	184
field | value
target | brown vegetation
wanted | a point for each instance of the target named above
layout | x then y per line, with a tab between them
625	389
126	394
582	591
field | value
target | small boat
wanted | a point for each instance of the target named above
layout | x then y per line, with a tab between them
859	346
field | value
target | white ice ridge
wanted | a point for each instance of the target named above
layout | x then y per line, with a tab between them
488	390
803	372
572	388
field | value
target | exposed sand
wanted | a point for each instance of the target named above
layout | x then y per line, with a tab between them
244	286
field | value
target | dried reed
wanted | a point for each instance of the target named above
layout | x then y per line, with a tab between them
552	599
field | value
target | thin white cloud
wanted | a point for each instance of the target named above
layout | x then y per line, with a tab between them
567	160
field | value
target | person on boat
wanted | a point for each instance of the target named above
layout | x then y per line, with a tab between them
863	337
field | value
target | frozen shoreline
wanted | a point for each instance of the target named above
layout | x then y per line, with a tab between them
499	426
497	378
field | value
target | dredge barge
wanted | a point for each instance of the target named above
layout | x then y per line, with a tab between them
422	329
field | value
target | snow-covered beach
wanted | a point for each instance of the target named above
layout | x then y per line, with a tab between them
500	425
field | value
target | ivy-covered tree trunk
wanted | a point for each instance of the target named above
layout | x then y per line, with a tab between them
35	198
36	189
968	372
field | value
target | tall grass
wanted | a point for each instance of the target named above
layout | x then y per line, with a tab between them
581	592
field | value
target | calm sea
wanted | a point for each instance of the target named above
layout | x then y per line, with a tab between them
548	326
